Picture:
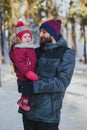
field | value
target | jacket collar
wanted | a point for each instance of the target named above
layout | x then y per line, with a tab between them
59	43
24	45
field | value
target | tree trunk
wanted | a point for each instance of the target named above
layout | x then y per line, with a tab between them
84	45
73	37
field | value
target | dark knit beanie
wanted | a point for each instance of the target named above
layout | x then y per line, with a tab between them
53	27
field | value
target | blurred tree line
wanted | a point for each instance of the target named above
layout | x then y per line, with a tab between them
34	12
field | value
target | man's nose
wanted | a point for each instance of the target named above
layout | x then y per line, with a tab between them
41	34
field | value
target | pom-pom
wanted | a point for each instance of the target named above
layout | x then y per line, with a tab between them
20	23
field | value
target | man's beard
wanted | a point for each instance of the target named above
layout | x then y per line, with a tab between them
44	41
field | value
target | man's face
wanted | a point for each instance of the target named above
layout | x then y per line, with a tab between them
45	37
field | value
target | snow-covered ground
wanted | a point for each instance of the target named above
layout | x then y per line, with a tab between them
74	113
9	117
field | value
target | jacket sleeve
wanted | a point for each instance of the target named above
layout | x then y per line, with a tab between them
63	77
19	63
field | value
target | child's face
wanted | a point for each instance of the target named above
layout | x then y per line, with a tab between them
26	38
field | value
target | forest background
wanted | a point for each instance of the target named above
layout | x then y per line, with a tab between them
73	14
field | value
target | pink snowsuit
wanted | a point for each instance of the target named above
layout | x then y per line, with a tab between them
24	59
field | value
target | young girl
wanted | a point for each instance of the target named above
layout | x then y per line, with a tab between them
23	57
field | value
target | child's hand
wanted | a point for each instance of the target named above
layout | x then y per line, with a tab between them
31	75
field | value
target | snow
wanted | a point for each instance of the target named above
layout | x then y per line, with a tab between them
74	113
6	72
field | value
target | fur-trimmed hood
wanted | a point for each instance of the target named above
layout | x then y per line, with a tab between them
24	45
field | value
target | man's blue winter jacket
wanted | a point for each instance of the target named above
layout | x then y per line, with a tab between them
55	67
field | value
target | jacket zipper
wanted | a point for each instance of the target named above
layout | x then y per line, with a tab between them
51	102
28	62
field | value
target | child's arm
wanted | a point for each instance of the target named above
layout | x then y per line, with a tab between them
31	75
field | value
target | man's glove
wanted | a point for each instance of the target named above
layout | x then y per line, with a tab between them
27	88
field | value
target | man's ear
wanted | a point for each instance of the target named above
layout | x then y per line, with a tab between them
53	40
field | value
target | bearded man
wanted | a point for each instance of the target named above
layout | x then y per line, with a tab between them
55	66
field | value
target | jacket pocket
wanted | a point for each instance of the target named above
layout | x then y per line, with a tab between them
51	102
56	101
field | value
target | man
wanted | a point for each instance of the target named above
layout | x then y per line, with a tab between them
55	66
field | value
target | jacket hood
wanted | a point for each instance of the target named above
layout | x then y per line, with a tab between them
24	45
59	43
